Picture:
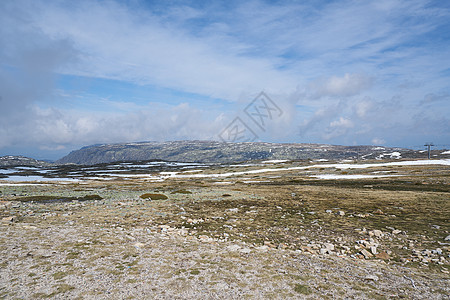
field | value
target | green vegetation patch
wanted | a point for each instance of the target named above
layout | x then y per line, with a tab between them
56	199
154	196
302	289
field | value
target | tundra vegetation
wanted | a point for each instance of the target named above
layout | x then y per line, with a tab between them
276	235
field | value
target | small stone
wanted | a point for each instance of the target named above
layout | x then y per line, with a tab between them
262	248
378	233
205	239
328	211
378	212
436	226
307	249
29	227
396	231
373	249
11	219
447	238
245	250
341	213
366	253
139	245
233	248
426	260
371	277
329	246
269	244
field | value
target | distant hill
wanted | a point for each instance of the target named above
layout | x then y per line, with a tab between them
220	152
15	161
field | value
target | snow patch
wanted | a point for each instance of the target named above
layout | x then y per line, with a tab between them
347	176
275	161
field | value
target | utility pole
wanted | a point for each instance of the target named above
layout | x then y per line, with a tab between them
429	148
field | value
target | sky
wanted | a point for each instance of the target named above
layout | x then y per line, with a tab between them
77	73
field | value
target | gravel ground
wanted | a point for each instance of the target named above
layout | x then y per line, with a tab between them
63	261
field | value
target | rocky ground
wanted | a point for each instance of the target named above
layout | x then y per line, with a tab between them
263	237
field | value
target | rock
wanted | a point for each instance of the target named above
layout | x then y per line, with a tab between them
5	204
163	228
373	249
139	245
40	253
245	250
376	233
371	277
447	238
307	249
29	227
328	211
396	231
426	260
366	253
378	212
10	219
269	244
233	248
436	226
327	248
262	248
382	255
341	213
205	239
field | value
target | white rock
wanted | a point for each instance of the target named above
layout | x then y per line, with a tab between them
329	246
373	249
378	233
262	248
245	250
371	277
233	248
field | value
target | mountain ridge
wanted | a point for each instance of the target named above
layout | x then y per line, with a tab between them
219	152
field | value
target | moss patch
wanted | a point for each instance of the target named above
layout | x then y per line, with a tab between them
154	196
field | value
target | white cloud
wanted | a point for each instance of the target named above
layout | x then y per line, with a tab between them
347	85
363	107
342	123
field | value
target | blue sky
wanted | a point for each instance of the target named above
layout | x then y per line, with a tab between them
75	73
